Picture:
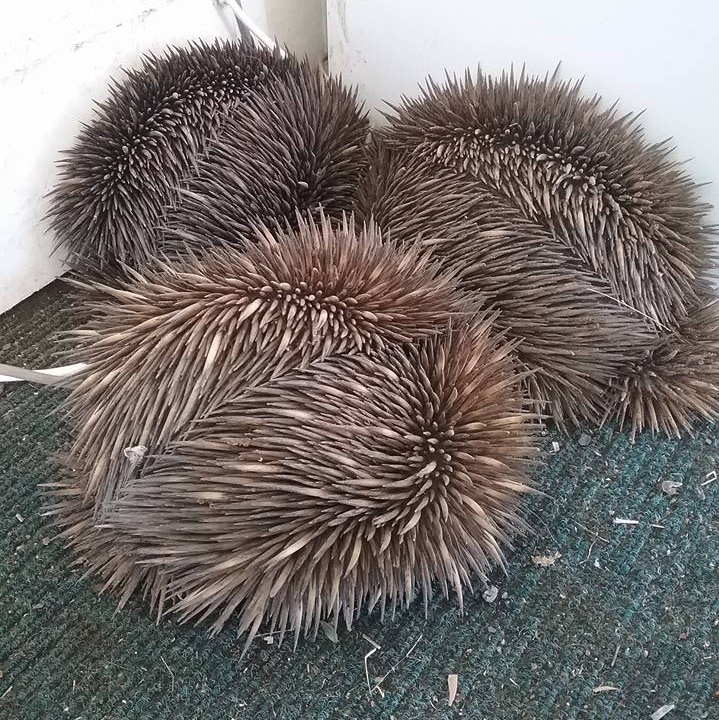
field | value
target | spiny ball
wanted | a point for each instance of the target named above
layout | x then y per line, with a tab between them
122	173
294	432
584	186
296	146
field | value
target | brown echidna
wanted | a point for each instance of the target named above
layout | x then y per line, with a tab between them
119	178
622	206
296	146
545	295
211	326
292	432
678	381
586	185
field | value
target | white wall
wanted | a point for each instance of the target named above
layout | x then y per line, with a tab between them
300	24
658	55
55	58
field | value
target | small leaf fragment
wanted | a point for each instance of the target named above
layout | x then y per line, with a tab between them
329	631
545	560
452	682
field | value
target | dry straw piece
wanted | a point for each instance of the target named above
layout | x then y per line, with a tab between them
314	426
595	208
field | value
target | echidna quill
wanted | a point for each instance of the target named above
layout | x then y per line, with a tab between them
295	432
616	208
123	172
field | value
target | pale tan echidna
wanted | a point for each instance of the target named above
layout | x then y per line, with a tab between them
186	334
293	432
623	209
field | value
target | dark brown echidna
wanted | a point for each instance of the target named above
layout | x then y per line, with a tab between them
296	146
292	432
121	175
608	205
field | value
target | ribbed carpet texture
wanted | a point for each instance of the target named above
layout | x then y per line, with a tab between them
597	617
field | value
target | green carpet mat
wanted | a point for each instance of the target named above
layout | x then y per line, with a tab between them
622	623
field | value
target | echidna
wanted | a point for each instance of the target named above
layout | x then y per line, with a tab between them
582	183
545	295
296	146
678	382
119	178
211	326
293	432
